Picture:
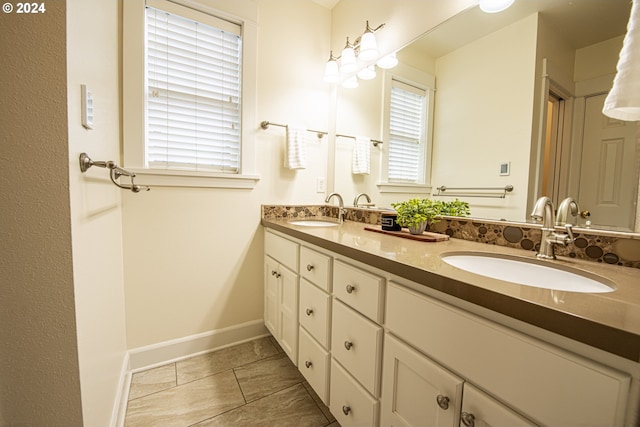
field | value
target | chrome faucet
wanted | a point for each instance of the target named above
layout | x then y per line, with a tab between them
366	196
567	207
543	211
341	209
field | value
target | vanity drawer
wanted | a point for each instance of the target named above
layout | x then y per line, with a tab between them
315	312
313	363
359	289
349	402
283	250
356	342
316	268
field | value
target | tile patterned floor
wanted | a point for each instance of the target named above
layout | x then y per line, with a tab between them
251	384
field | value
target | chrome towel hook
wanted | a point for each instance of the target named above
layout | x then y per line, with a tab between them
115	172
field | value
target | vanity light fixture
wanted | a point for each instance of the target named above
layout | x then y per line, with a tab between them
368	45
331	71
364	49
348	62
388	61
623	101
367	73
494	6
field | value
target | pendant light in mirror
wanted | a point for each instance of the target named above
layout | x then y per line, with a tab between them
494	6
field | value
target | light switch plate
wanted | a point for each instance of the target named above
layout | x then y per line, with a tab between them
505	168
87	107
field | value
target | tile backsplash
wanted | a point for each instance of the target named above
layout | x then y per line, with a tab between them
593	245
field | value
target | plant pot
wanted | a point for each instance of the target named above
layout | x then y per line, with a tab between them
418	229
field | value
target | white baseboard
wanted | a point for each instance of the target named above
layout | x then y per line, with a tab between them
170	351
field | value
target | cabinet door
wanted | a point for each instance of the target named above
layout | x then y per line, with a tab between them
289	312
480	410
271	306
415	390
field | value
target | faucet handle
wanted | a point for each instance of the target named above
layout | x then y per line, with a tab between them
569	228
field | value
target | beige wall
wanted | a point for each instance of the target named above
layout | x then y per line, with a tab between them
193	258
93	59
39	375
471	140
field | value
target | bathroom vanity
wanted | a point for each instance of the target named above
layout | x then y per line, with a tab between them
387	333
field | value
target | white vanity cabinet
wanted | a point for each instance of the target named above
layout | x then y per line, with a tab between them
545	384
281	292
315	320
418	392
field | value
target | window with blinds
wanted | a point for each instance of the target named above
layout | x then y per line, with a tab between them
407	130
193	83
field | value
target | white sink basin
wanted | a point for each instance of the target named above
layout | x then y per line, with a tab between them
528	272
314	223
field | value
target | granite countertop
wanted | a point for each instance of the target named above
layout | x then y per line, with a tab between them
608	321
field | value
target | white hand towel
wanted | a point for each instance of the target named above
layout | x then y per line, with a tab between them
623	102
361	162
295	153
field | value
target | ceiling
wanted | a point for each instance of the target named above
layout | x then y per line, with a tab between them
326	3
580	22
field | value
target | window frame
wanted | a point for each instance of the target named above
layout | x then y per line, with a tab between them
424	81
243	13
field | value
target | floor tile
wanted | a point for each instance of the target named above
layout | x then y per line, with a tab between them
221	360
321	405
186	404
152	381
292	407
267	376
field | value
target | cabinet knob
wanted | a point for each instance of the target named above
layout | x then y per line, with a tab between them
348	344
275	273
350	289
468	419
346	409
309	311
443	401
308	364
310	267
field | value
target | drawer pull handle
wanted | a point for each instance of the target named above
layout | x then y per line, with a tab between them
308	364
350	289
309	311
443	401
310	267
346	409
468	419
348	344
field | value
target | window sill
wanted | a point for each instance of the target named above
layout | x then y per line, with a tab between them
176	178
386	187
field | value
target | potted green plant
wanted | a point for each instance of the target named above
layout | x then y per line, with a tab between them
416	214
455	208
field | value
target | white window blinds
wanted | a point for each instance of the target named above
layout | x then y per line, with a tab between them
407	122
193	78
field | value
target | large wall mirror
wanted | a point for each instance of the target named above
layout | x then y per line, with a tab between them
522	88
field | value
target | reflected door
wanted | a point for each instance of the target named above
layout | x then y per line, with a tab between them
608	179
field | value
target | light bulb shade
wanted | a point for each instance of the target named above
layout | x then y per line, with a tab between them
388	61
348	61
367	73
368	47
623	101
331	72
495	6
351	82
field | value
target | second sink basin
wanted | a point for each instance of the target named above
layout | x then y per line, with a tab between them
527	272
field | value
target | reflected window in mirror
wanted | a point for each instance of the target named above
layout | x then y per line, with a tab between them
408	123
